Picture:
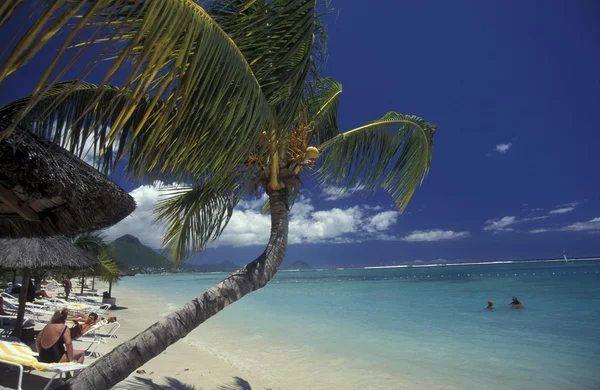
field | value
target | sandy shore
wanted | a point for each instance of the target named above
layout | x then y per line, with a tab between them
181	366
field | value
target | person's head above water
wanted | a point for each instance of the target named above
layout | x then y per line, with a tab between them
490	303
515	300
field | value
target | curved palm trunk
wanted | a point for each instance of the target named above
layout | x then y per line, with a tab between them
127	357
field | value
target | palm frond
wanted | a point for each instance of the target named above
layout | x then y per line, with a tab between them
172	50
7	8
393	153
95	242
322	103
283	41
196	215
108	270
72	115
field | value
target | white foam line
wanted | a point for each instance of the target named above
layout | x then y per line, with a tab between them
477	263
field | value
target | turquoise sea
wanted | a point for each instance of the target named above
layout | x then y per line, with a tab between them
404	328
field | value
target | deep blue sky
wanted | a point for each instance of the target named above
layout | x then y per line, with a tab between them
488	73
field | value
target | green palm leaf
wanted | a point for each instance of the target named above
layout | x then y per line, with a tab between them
94	242
7	8
393	153
71	114
322	104
283	41
196	215
108	271
214	108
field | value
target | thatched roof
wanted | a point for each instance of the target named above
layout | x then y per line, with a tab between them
43	252
46	191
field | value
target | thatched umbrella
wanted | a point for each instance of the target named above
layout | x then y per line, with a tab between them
46	191
40	252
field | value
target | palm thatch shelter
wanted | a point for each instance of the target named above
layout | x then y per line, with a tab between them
46	190
26	254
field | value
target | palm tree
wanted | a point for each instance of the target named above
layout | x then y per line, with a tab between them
228	99
97	243
108	271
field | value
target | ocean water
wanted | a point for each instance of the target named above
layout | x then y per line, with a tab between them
407	328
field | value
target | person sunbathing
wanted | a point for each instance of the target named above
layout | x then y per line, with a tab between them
90	320
54	343
87	321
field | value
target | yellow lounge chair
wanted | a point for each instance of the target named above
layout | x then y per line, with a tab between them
19	355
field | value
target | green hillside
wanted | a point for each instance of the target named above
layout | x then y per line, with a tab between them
129	251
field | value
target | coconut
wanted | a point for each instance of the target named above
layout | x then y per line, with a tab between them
312	152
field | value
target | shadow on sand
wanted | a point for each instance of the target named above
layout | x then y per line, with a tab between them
139	383
239	384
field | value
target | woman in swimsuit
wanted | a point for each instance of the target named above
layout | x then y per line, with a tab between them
54	342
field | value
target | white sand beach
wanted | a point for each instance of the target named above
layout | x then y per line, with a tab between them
181	366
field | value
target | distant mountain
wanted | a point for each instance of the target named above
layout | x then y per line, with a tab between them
129	251
225	266
298	264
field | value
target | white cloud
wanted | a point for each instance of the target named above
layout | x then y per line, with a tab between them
539	230
503	148
382	221
593	225
562	210
501	225
434	235
248	226
565	208
336	193
140	222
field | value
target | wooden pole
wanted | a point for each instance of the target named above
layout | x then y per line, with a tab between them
22	301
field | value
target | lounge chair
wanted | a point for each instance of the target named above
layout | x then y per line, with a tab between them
19	355
36	311
92	337
7	323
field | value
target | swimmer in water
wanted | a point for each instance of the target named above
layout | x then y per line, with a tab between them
516	304
490	306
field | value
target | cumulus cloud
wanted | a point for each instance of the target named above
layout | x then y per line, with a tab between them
434	235
336	193
591	226
381	221
503	148
248	226
140	222
501	225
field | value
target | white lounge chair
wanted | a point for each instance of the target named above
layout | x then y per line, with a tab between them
19	355
37	312
92	337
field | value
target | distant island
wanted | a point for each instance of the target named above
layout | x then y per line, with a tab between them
225	266
137	258
298	264
129	251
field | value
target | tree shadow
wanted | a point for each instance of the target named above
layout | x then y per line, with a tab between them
148	384
239	384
